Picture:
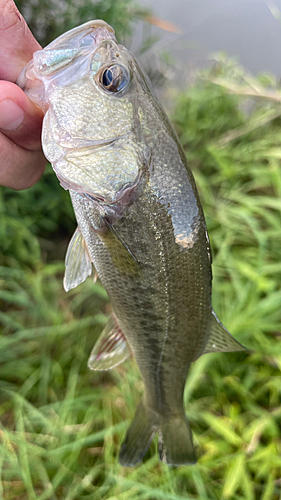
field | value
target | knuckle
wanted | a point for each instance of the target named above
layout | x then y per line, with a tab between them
19	168
10	18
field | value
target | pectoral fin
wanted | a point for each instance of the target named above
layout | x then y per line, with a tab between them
120	253
110	349
78	265
220	339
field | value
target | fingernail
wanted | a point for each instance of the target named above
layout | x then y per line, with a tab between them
11	115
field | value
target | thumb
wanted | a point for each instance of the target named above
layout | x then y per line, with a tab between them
16	41
20	119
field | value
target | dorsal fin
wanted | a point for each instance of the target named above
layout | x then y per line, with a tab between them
111	348
78	265
220	340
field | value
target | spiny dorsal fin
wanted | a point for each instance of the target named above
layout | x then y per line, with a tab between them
78	265
110	349
220	339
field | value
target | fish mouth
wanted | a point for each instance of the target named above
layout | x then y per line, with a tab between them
97	30
82	40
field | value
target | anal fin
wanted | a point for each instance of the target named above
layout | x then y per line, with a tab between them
111	348
220	340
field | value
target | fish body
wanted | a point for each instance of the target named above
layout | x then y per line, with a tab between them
140	223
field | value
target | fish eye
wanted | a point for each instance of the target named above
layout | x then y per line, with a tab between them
107	78
115	78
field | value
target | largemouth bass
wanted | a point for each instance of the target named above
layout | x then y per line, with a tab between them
140	224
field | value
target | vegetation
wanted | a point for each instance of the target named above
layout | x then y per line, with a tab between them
62	425
50	18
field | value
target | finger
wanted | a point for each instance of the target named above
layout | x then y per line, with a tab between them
16	41
20	168
20	119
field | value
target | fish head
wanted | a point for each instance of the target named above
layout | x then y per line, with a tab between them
97	104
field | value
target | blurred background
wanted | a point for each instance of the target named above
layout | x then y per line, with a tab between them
243	28
216	68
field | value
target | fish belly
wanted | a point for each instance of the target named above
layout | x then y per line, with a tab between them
164	310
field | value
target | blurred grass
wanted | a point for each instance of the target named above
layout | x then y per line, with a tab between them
62	425
48	19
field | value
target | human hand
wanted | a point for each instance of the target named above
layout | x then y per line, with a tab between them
21	158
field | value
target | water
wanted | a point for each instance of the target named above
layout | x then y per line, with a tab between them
243	28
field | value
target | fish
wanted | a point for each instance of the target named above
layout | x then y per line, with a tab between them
140	225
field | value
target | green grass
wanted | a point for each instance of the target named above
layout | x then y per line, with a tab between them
62	425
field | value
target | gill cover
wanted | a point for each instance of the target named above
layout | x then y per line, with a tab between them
81	81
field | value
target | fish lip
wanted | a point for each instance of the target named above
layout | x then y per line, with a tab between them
98	29
98	25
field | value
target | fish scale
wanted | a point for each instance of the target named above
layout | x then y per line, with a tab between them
155	309
140	222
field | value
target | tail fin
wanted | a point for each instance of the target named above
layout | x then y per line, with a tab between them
175	443
175	439
138	437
